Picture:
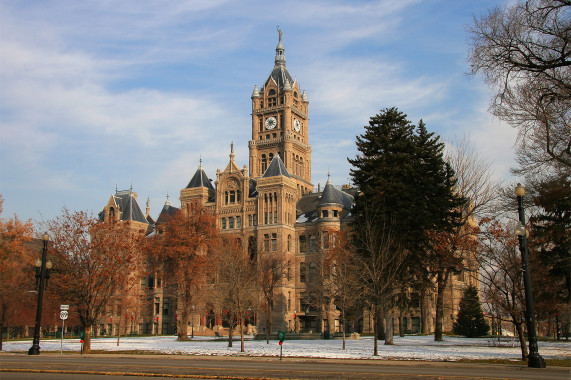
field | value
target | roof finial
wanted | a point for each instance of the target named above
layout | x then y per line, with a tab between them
232	152
167	203
329	176
280	57
200	160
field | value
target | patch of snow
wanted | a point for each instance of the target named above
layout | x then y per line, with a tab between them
406	348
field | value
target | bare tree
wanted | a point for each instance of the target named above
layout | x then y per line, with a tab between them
501	275
474	178
270	270
380	260
523	52
236	281
343	281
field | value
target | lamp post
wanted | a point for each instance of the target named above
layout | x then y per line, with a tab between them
192	318
42	274
533	359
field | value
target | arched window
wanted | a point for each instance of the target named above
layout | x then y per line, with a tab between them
264	163
289	242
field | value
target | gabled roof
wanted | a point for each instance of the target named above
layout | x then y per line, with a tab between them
200	179
276	168
128	207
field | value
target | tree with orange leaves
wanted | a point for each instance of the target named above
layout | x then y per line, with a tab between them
15	263
93	262
180	248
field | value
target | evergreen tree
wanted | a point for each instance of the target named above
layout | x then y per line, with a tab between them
470	321
406	192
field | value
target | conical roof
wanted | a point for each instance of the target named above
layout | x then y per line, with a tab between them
276	168
167	212
200	179
331	195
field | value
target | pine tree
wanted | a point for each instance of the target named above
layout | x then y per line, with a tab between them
470	321
407	190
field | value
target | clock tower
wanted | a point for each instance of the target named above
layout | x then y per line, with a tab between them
280	125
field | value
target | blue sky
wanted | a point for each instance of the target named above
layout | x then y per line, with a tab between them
96	95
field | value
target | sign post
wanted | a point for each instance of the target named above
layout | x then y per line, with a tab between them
63	314
281	336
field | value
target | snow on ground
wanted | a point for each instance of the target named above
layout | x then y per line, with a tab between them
406	348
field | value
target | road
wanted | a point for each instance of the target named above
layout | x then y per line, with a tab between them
100	366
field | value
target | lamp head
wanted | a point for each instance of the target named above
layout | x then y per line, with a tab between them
519	190
38	263
49	264
46	237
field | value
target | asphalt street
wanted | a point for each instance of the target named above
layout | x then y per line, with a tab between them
99	366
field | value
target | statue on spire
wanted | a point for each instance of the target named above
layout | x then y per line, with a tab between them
280	33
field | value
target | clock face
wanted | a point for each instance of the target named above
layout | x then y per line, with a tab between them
271	122
296	125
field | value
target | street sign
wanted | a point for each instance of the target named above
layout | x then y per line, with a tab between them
63	314
64	307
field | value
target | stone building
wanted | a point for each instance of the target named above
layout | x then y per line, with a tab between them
274	206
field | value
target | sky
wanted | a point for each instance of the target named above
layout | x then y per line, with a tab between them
103	95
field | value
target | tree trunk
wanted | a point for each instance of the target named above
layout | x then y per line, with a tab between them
87	340
380	325
522	343
344	321
119	331
241	334
268	317
401	325
389	333
375	331
424	311
1	331
441	280
230	331
181	331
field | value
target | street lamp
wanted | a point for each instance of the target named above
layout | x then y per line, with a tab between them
43	268
192	318
533	359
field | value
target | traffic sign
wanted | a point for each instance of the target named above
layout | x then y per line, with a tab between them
64	307
63	314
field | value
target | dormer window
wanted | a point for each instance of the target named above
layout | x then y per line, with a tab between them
325	214
272	101
335	214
